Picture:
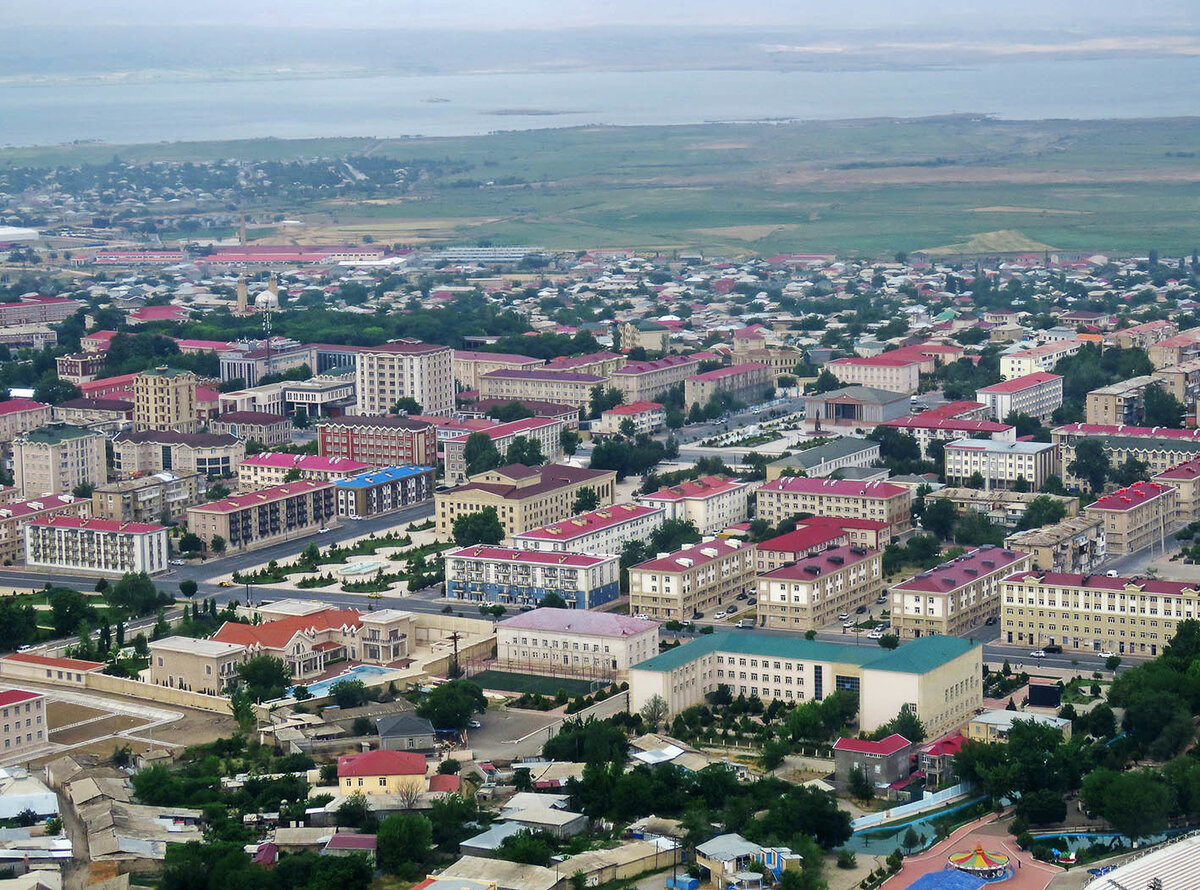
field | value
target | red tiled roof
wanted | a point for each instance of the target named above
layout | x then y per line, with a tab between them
1189	469
14	696
634	408
704	487
961	571
532	557
1103	582
949	745
804	539
277	634
822	563
840	487
282	460
74	664
345	841
893	743
448	784
1134	496
585	523
1136	432
693	552
954	424
241	501
732	371
99	525
1019	383
12	406
382	763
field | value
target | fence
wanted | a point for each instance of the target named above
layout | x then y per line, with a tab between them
928	802
163	695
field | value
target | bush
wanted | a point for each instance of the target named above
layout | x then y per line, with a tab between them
846	859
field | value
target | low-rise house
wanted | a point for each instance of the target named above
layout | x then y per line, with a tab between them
995	726
859	406
405	732
208	666
882	763
381	772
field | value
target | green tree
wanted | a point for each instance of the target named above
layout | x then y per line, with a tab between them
188	587
483	527
452	705
1091	464
1130	471
1042	511
860	786
569	440
655	711
552	600
1162	408
889	641
1136	804
826	382
190	543
406	405
350	693
586	500
509	412
523	450
265	676
1042	806
135	593
602	399
217	544
526	847
905	723
68	609
402	843
976	481
911	840
480	454
939	517
1021	485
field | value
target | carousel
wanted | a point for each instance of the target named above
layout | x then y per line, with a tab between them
980	862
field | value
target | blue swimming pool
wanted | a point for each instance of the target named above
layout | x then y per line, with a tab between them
883	839
360	672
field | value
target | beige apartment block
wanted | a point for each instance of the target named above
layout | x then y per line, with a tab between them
105	546
1185	478
880	501
207	666
650	380
902	375
22	721
1176	350
569	642
1135	517
407	369
1143	335
711	503
266	429
697	578
1119	403
542	385
601	364
523	497
1183	382
1000	505
14	515
956	596
171	452
56	458
1073	545
1001	464
109	416
648	335
546	431
811	592
165	399
1039	395
748	383
1095	613
470	366
1039	358
260	518
19	416
159	497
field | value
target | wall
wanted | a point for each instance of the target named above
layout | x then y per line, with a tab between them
159	694
928	802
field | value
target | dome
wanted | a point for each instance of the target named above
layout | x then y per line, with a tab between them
266	300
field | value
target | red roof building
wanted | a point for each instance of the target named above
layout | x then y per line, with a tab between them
883	748
381	763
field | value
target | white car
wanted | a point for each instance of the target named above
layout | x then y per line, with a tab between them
1037	653
643	616
876	634
848	624
1104	653
721	616
1111	573
322	531
845	616
475	724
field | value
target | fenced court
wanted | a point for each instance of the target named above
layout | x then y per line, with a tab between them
534	685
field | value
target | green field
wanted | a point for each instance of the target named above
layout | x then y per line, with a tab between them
870	187
522	683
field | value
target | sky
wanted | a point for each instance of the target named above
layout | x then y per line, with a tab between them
978	16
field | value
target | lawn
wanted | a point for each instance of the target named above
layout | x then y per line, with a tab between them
522	683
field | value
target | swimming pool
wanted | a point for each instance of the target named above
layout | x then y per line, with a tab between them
883	839
359	672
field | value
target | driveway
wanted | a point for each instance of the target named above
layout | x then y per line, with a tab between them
509	733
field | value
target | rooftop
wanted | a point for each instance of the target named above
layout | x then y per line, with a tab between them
97	525
38	505
381	763
601	624
731	371
586	523
390	421
1189	469
277	634
283	461
510	428
839	487
1134	496
15	696
1019	383
527	557
1103	582
1046	349
73	664
841	447
704	487
544	374
991	446
1003	719
242	501
804	539
859	394
810	567
190	645
14	406
893	743
937	422
56	433
386	474
962	570
691	555
646	367
634	408
550	478
261	418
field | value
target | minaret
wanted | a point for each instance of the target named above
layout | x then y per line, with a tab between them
273	286
243	296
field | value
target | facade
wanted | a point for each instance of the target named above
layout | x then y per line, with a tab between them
406	732
748	382
606	530
649	335
165	399
421	371
207	666
1183	382
541	384
1001	463
887	372
711	503
1185	478
994	726
926	430
1183	347
380	441
56	458
1143	335
646	417
272	468
265	429
999	505
883	762
878	501
796	545
523	497
1135	517
1095	613
251	363
23	721
546	431
381	772
602	364
37	310
694	579
250	521
1038	394
95	545
170	452
106	415
824	460
861	406
1159	448
470	366
159	497
558	642
80	367
14	516
1119	403
486	573
939	679
1073	545
814	590
1038	359
383	491
568	414
956	596
648	381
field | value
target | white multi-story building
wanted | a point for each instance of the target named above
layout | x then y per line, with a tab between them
712	503
558	642
606	530
1039	358
486	573
1001	463
410	369
96	545
646	417
1039	395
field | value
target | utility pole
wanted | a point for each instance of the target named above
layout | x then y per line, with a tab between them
455	670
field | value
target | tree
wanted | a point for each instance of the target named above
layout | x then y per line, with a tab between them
350	693
480	454
1042	806
1042	511
526	847
1130	471
402	842
911	839
655	711
406	405
135	593
773	753
188	587
266	677
602	399
889	641
510	411
483	527
939	517
1136	804
217	544
826	382
586	500
859	785
449	767
523	450
1162	408
553	600
976	481
68	609
54	391
905	723
190	543
1021	484
83	490
451	705
569	441
362	726
1091	464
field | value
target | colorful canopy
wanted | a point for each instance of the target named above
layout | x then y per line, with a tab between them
979	859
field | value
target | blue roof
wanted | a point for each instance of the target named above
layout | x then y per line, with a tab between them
374	477
920	655
951	879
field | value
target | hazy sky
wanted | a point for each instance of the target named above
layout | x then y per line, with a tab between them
977	16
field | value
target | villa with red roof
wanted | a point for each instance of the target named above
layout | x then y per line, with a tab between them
1038	394
711	503
956	596
1135	517
490	573
553	642
381	772
606	530
883	763
786	496
103	546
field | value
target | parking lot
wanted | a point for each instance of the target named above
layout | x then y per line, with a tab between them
506	734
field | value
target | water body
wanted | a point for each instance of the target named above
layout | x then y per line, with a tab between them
461	105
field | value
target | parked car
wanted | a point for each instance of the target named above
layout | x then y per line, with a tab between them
1104	653
860	610
322	531
1052	650
753	601
742	595
1037	653
475	724
722	615
844	616
1111	573
745	623
732	608
992	620
848	624
876	634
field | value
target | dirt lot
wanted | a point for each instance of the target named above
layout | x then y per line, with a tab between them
61	713
95	729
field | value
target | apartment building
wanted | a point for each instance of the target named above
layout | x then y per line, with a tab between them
711	503
842	498
644	333
1038	359
159	497
19	416
606	530
649	380
1135	517
23	720
749	382
383	491
811	592
170	452
56	458
1039	395
205	666
106	415
859	406
541	384
561	642
254	520
409	369
956	596
266	429
939	679
1183	347
1143	335
523	497
568	414
380	440
843	453
602	364
696	579
546	431
805	541
274	467
1095	613
1183	382
14	516
1160	448
1119	403
485	573
1073	545
646	417
165	399
95	545
470	366
37	310
1001	463
1001	506
1185	478
885	371
950	429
